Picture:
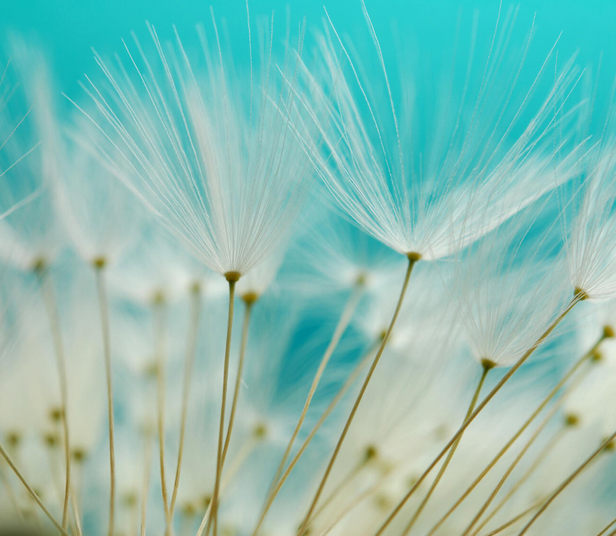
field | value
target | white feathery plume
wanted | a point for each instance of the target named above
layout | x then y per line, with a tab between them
591	246
334	257
510	287
474	174
205	149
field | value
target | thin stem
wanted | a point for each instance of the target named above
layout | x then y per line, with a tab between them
238	379
354	503
11	494
524	450
477	411
452	451
104	313
232	278
51	306
76	514
235	465
510	469
159	334
547	449
515	519
343	322
608	527
345	387
147	459
350	476
520	431
32	493
193	330
566	483
304	526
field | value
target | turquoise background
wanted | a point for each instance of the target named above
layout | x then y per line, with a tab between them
67	29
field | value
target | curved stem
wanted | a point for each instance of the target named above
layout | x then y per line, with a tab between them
193	330
51	306
238	379
159	315
566	483
608	527
346	480
343	322
104	313
221	429
510	469
235	465
76	514
477	411
517	435
32	493
347	425
452	451
527	446
547	449
11	494
345	387
147	458
517	518
354	503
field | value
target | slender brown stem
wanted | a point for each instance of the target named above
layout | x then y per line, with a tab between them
515	519
346	480
343	323
510	469
32	493
51	306
527	446
452	451
236	463
345	387
608	527
315	500
517	435
355	502
76	514
566	483
147	458
238	379
11	493
159	315
547	449
193	330
477	411
104	313
232	278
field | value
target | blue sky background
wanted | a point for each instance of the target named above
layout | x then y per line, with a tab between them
67	29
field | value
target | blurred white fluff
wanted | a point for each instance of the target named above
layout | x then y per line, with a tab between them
510	288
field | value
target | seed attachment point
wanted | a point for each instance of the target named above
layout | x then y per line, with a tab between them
233	277
249	297
580	294
99	263
487	364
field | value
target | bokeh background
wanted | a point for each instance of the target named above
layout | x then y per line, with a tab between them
69	29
